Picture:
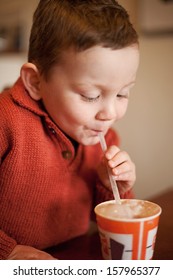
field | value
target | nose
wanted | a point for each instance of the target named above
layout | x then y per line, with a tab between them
107	112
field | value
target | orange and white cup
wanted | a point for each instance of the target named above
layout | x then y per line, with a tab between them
128	238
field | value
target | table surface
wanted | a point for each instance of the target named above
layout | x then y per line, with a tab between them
88	247
164	242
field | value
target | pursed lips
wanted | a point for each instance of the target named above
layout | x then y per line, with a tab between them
97	131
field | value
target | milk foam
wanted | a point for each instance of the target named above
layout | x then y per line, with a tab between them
128	209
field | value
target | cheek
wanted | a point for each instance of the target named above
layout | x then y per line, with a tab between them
122	110
80	112
76	115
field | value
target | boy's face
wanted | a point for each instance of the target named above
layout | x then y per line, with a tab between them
89	90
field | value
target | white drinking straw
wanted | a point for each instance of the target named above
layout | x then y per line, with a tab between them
111	177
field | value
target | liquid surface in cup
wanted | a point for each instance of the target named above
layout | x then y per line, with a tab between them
128	209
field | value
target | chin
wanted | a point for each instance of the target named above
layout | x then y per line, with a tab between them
90	141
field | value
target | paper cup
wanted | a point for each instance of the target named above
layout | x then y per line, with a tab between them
128	238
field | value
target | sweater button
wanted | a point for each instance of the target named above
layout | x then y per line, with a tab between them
52	130
67	154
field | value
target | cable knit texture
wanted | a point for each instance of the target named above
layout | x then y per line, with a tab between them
47	190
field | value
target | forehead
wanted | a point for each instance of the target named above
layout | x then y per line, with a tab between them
98	64
98	55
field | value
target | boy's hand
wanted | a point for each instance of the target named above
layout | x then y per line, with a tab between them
121	166
22	252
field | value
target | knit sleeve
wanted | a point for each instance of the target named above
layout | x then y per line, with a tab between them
5	133
104	194
7	245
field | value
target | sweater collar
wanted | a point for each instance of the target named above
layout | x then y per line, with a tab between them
23	99
21	96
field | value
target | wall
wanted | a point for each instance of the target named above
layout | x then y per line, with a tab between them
147	130
10	69
12	13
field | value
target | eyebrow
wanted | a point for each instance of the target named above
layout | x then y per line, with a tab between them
84	85
88	86
131	83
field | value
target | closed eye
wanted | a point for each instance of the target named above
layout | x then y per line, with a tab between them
90	99
125	92
123	96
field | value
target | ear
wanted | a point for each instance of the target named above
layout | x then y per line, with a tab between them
31	78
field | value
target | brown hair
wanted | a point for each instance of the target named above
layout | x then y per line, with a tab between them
80	24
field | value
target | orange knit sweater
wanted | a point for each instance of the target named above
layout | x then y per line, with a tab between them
47	190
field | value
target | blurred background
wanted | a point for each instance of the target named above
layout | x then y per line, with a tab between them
146	131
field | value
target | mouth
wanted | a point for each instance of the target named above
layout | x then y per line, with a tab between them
95	132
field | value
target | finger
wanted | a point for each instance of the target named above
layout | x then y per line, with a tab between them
118	159
123	168
111	152
127	176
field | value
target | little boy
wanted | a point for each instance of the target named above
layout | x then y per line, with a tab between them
82	63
